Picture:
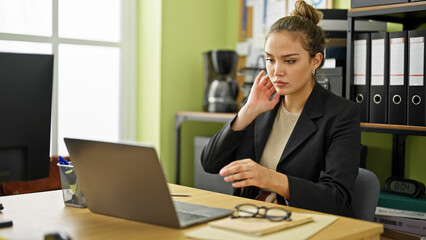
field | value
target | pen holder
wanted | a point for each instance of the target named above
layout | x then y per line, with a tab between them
73	196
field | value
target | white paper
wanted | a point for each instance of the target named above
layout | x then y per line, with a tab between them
258	13
242	48
417	46
300	232
275	9
320	4
377	62
250	3
329	63
255	51
360	58
397	53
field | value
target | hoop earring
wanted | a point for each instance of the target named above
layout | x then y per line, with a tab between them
313	72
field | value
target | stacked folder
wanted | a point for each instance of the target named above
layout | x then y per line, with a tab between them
407	215
388	77
398	78
416	78
361	76
379	77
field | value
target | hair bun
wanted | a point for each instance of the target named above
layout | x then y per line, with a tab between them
305	10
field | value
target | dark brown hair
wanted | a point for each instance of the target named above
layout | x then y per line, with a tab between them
303	22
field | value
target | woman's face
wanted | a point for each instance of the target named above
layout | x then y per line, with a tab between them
289	65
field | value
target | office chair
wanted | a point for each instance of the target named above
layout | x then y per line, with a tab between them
365	195
53	182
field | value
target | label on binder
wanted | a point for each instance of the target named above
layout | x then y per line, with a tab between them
417	46
378	62
360	59
396	61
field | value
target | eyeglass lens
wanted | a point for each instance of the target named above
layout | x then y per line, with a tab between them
247	210
253	211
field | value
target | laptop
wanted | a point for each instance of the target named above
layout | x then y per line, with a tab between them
127	181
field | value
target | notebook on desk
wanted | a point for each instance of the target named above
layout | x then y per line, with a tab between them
127	181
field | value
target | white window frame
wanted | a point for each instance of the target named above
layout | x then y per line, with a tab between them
127	45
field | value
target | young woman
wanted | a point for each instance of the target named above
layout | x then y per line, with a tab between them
301	146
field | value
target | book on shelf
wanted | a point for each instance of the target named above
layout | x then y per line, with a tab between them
389	200
400	213
394	234
415	226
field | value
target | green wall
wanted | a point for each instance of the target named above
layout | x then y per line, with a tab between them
342	4
173	35
149	72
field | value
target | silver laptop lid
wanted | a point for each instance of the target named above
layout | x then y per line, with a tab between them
123	180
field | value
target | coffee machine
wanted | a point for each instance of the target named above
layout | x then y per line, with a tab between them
221	88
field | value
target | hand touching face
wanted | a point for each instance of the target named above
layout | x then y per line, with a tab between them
259	100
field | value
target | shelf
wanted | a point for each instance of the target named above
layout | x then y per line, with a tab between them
367	127
393	129
411	14
399	135
203	116
401	12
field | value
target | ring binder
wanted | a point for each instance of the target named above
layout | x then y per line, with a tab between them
379	77
416	107
361	74
397	106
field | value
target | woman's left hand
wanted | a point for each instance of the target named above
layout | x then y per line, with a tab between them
247	172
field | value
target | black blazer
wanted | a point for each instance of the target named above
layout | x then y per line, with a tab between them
321	158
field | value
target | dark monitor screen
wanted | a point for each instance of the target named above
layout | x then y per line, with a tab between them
25	115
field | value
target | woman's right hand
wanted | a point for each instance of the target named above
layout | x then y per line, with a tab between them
258	102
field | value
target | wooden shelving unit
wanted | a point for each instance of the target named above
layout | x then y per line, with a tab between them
395	129
410	15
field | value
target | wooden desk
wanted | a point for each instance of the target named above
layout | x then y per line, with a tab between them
36	214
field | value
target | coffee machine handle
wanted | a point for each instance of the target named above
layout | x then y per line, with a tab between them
233	88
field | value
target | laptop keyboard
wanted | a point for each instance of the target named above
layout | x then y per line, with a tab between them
189	217
190	214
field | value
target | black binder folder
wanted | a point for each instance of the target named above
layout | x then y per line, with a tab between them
398	57
379	74
361	76
416	78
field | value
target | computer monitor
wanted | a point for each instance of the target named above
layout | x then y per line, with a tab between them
25	115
